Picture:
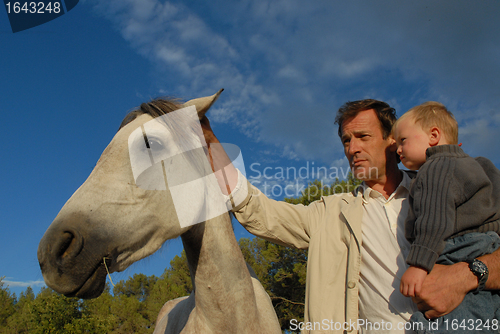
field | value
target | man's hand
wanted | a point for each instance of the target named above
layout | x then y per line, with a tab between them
225	173
207	131
210	138
444	288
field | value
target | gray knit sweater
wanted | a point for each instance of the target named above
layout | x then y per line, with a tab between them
451	195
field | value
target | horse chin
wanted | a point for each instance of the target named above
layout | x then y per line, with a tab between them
93	286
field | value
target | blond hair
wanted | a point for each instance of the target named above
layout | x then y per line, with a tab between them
430	114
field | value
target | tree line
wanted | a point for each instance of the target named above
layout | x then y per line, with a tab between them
132	305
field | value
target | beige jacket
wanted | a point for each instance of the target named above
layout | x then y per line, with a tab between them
331	229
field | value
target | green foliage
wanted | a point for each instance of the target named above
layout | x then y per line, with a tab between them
96	315
22	320
131	315
49	312
7	301
138	286
134	304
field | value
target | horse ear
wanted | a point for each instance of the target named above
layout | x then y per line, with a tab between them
202	104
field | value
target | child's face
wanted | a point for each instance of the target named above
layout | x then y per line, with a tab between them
412	142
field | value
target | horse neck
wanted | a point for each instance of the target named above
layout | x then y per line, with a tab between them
221	280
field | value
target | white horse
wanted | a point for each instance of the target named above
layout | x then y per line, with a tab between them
109	217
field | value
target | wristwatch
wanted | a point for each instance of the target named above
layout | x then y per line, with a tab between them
479	269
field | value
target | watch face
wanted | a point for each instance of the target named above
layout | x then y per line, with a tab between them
479	268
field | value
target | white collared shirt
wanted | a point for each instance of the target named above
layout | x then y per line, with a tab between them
383	259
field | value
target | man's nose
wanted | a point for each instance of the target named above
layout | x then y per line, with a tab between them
354	146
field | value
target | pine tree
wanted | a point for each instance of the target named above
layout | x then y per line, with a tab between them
7	304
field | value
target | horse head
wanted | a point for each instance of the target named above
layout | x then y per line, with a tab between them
110	222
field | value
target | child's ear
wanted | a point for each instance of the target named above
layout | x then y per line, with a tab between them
392	143
434	136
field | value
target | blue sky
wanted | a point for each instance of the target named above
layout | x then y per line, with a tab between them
286	67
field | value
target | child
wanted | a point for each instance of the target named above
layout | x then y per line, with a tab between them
454	211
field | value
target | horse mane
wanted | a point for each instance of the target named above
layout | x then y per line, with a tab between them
155	108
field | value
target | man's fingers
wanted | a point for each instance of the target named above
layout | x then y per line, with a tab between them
207	131
432	314
422	305
205	122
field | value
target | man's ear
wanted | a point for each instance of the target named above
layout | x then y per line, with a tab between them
434	136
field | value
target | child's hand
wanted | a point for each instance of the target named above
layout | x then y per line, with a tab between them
412	280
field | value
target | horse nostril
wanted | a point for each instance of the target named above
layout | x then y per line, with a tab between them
68	246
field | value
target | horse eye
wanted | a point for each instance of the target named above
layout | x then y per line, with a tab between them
155	145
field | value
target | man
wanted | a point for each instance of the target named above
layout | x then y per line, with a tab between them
356	240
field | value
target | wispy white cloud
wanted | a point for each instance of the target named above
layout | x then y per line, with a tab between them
478	136
287	66
25	284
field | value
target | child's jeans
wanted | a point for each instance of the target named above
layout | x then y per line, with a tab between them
478	313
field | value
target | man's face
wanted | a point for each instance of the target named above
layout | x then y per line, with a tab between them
364	146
